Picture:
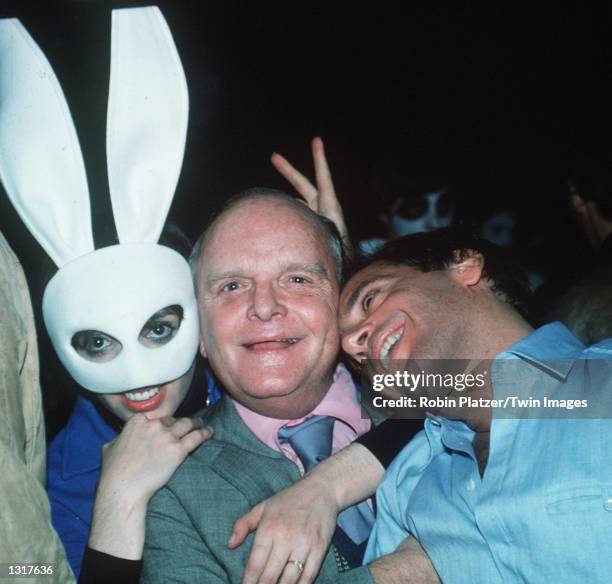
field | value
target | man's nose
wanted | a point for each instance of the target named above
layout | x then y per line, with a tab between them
355	342
266	303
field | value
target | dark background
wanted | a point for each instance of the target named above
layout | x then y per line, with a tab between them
500	97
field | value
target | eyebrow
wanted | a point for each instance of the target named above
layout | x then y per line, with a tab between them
365	284
316	268
214	278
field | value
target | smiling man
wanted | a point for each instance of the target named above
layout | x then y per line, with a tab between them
267	273
268	290
488	497
480	490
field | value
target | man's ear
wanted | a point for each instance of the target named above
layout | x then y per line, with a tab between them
203	348
467	267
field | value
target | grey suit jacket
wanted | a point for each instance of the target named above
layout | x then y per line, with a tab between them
190	520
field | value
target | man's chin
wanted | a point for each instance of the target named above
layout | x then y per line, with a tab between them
266	393
277	401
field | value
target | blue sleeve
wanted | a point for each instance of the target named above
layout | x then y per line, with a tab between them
69	504
392	498
72	531
388	531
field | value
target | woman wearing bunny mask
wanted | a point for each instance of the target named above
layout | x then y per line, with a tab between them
74	460
142	337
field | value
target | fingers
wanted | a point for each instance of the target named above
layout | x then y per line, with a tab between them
272	565
137	420
196	437
258	559
299	182
311	555
245	525
323	176
312	565
167	421
275	560
281	568
292	573
189	433
294	529
182	426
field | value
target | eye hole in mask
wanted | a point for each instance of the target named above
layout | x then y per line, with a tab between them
162	327
416	206
411	207
96	346
101	347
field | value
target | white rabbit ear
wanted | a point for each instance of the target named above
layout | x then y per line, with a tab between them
41	165
148	107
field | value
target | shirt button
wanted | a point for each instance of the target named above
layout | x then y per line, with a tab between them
471	485
608	505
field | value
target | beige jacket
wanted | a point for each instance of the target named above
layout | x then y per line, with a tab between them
26	534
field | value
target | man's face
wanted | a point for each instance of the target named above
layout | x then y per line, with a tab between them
267	294
394	313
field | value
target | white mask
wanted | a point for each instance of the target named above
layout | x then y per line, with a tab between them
114	290
425	215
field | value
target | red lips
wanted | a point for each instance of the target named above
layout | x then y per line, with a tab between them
146	405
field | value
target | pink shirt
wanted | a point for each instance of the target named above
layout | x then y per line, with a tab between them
340	402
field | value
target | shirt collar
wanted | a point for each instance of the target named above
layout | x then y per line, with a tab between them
453	434
552	348
340	402
86	432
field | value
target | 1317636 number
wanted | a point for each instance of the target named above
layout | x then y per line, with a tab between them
26	570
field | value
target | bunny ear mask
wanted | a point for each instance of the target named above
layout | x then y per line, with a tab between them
41	165
146	127
99	307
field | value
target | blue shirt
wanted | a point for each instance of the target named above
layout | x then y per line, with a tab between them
543	510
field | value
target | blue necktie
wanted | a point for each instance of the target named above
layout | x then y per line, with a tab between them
311	440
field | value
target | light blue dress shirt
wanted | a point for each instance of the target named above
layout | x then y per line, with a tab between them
542	513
